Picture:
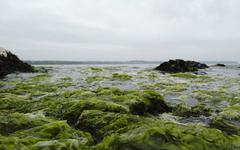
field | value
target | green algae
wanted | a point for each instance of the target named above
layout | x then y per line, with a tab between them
121	77
176	88
95	79
101	124
42	113
137	102
195	111
217	96
54	135
193	77
70	104
189	76
69	79
40	78
15	103
153	76
96	69
171	137
167	87
74	110
228	120
35	87
131	132
11	122
152	103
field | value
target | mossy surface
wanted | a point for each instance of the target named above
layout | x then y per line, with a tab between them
228	120
149	133
95	79
118	107
121	77
96	69
194	111
217	96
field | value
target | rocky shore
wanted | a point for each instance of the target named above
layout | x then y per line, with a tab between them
118	107
10	63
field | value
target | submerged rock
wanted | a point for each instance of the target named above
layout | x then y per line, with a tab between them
10	63
178	65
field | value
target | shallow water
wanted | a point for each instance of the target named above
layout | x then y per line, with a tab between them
227	78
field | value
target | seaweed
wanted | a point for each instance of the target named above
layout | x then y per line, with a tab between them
121	77
228	120
95	69
195	111
45	112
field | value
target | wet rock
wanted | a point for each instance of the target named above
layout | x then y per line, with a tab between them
200	73
228	120
53	135
196	111
122	131
178	65
101	124
152	103
220	65
11	122
10	63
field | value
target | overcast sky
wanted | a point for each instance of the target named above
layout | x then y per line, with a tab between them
121	29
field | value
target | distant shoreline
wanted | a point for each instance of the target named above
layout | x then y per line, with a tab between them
52	62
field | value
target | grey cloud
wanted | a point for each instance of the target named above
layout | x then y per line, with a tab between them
121	30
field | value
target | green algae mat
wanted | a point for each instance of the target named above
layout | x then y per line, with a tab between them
120	108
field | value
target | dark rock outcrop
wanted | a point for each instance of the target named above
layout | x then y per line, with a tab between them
179	65
220	65
10	63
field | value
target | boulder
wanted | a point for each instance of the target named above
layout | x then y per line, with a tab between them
220	65
10	63
179	65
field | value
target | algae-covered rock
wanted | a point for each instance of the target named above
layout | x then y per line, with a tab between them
101	124
47	111
10	63
170	137
216	96
192	76
138	102
54	135
122	131
113	100
72	110
151	102
178	65
121	77
11	122
36	86
95	79
228	120
96	69
195	111
14	103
